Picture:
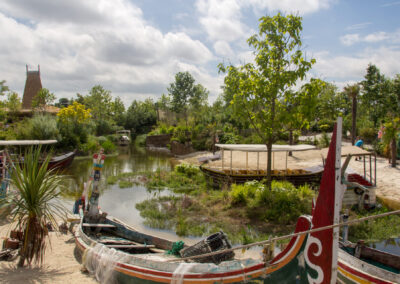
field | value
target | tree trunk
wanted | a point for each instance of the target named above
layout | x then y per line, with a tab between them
354	119
393	152
290	140
269	160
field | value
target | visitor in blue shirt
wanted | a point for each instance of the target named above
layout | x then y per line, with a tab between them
359	144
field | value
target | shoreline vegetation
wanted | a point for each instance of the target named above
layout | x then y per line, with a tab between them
246	213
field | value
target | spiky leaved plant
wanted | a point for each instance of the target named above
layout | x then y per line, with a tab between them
34	204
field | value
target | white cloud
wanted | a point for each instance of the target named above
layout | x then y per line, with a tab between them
359	26
290	6
353	67
223	49
375	37
350	39
80	44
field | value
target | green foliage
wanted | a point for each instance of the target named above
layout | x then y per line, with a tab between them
187	170
324	141
42	99
141	140
34	205
258	91
377	229
39	127
108	146
368	134
125	184
141	117
112	179
282	204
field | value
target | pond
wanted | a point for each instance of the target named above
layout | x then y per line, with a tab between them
120	202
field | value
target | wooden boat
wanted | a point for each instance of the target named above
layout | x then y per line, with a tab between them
135	257
361	264
62	161
227	174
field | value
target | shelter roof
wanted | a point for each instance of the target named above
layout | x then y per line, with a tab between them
26	142
263	147
348	150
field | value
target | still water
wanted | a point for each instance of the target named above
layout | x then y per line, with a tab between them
120	202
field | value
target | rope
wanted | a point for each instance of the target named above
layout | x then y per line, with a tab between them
351	222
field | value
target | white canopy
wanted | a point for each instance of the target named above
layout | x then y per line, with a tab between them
25	142
263	147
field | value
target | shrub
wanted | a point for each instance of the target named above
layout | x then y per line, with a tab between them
108	146
42	127
187	170
368	134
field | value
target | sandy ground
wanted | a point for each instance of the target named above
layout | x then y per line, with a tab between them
387	178
60	265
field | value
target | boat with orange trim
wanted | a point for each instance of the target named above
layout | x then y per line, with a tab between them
112	249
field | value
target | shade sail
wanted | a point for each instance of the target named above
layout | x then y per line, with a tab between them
263	148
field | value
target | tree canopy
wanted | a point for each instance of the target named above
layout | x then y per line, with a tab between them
259	90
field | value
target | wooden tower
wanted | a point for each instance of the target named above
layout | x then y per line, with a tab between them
33	85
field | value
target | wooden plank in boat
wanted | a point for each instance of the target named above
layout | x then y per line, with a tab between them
131	246
98	225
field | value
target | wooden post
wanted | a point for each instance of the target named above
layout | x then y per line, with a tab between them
365	170
247	160
273	160
258	160
370	169
231	162
286	163
222	158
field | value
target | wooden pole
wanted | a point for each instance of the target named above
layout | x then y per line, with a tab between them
222	158
365	170
258	160
247	160
231	162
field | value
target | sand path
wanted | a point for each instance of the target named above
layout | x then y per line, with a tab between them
60	265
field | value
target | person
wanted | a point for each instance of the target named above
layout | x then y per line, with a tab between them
359	143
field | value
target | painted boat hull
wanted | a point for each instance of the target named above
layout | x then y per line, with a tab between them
62	162
287	267
311	176
355	270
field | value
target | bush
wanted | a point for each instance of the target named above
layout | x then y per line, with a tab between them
108	146
326	125
41	127
187	170
368	134
283	204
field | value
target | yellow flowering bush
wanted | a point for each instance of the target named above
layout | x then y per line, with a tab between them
74	113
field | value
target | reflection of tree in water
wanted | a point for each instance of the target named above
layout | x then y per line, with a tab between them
129	160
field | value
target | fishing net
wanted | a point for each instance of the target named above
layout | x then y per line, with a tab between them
180	271
176	248
100	261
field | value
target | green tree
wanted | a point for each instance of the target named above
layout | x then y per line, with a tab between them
141	117
374	99
185	93
13	104
34	206
42	99
3	88
390	136
99	101
118	111
330	103
352	92
259	89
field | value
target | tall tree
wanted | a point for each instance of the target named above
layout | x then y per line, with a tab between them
352	92
389	138
42	99
3	88
185	93
260	89
374	94
13	104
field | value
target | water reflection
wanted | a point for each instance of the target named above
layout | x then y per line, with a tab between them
391	245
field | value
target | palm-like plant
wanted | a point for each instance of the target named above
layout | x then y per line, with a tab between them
34	204
352	91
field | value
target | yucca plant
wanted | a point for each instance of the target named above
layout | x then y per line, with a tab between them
34	205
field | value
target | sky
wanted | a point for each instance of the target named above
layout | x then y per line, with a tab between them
134	48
